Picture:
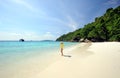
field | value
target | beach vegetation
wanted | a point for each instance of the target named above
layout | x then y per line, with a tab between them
104	28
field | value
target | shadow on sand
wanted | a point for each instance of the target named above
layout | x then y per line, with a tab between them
84	51
67	56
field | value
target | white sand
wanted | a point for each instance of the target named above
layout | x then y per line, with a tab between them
88	60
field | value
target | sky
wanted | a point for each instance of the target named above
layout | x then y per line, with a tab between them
48	19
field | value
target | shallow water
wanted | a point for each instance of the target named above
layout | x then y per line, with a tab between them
19	58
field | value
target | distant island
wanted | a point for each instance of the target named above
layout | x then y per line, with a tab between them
21	40
48	40
104	28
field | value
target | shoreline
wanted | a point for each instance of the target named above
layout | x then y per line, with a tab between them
88	60
83	60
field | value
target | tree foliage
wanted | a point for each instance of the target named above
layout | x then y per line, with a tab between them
104	28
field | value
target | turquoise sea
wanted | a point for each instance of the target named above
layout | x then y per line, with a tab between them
23	59
11	50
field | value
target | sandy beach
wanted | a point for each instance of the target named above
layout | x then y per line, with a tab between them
87	60
84	60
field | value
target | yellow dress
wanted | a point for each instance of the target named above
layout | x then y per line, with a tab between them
62	45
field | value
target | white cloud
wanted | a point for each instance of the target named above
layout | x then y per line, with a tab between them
25	4
16	34
6	36
69	22
72	23
12	4
26	36
111	2
48	36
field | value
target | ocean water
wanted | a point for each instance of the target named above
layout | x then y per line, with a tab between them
25	56
10	50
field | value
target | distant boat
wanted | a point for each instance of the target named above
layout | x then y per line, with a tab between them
21	40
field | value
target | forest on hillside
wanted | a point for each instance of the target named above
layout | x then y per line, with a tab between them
104	28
